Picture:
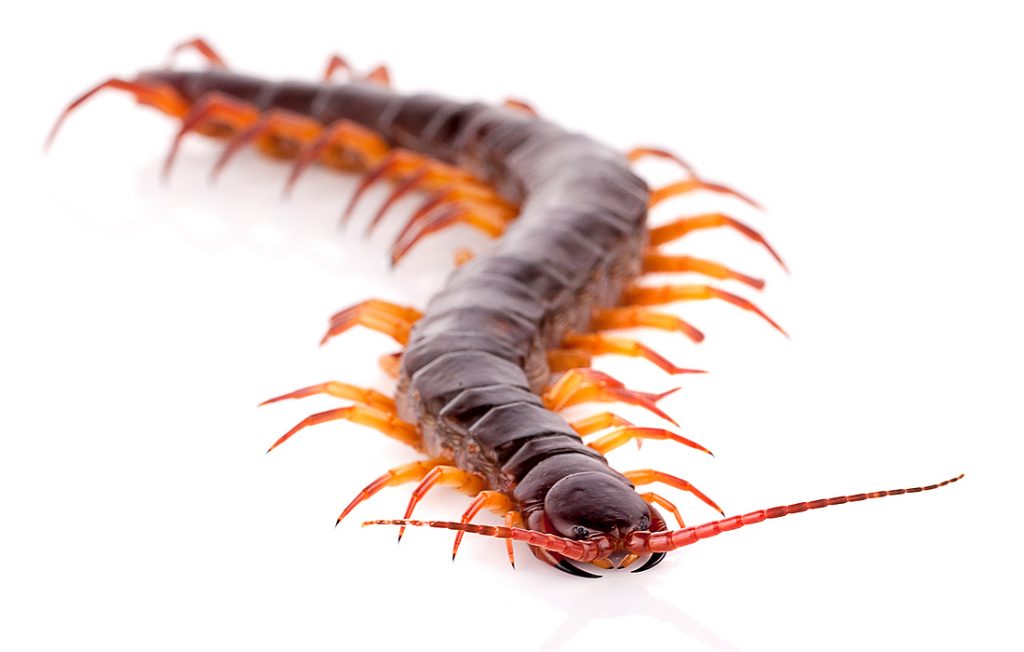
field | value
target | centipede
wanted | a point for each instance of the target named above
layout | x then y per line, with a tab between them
492	361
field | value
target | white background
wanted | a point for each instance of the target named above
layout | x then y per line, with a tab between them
142	324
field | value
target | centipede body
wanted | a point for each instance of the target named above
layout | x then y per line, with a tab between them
489	362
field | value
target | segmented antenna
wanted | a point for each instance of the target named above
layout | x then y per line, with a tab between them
645	542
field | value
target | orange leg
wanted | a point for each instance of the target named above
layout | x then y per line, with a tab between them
603	344
446	476
645	296
431	175
369	397
334	64
440	206
158	95
648	476
654	499
621	436
280	134
391	364
201	46
602	421
379	75
638	153
381	316
484	219
214	115
343	145
690	185
678	228
388	424
396	164
404	313
583	385
465	190
633	317
598	422
399	475
412	182
560	360
495	501
521	106
656	261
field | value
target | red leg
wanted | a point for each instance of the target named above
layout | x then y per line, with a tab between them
623	435
494	501
446	476
399	475
411	182
655	499
683	225
521	106
334	64
692	184
638	153
583	385
343	145
634	317
279	133
603	344
491	222
201	46
396	163
150	93
379	75
388	424
464	192
381	316
369	397
214	115
656	261
653	295
648	476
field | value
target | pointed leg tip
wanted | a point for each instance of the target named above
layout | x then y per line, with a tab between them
682	370
666	393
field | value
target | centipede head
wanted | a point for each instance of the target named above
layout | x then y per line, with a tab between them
597	507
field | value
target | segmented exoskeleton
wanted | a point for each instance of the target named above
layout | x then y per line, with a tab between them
506	345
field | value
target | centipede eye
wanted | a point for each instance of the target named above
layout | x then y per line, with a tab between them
644	523
580	532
